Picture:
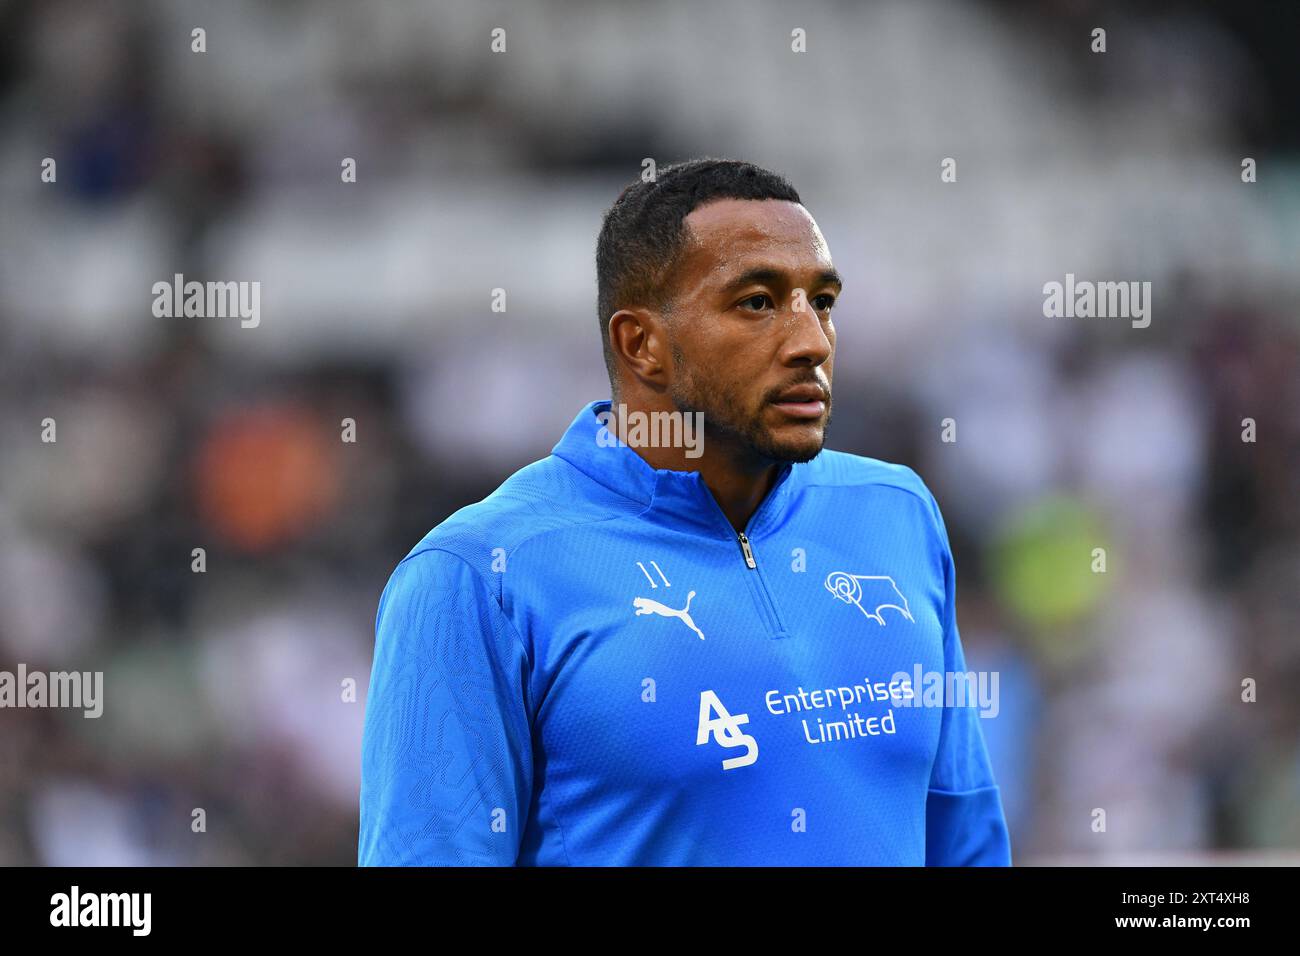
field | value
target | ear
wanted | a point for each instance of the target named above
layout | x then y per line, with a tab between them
639	340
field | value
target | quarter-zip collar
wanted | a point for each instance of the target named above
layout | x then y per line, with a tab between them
675	499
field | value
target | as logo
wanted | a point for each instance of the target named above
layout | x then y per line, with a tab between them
725	729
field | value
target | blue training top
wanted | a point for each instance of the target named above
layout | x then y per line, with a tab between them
591	667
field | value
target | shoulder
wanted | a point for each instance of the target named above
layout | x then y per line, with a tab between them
839	468
845	470
546	496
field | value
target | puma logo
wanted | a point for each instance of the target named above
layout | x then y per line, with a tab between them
647	606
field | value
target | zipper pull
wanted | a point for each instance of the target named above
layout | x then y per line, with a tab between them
744	546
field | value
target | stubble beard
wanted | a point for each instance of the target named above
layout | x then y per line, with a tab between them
726	420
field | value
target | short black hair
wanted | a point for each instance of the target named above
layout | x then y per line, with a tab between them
643	234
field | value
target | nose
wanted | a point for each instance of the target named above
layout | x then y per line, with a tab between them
809	341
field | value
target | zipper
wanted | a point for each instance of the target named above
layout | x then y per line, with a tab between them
747	552
769	605
745	549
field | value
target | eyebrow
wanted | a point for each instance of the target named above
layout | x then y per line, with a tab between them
766	275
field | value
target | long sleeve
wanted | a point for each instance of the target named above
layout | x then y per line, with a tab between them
446	752
964	820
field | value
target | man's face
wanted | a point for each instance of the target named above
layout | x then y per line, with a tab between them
750	329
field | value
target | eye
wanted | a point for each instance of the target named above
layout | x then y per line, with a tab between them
760	297
829	301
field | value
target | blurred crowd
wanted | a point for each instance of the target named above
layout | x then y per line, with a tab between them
227	670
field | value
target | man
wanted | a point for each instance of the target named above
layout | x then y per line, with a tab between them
640	652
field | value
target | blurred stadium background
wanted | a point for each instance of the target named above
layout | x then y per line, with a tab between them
479	170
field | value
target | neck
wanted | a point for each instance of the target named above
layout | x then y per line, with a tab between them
737	478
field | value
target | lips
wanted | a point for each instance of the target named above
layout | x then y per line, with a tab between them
802	393
803	401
